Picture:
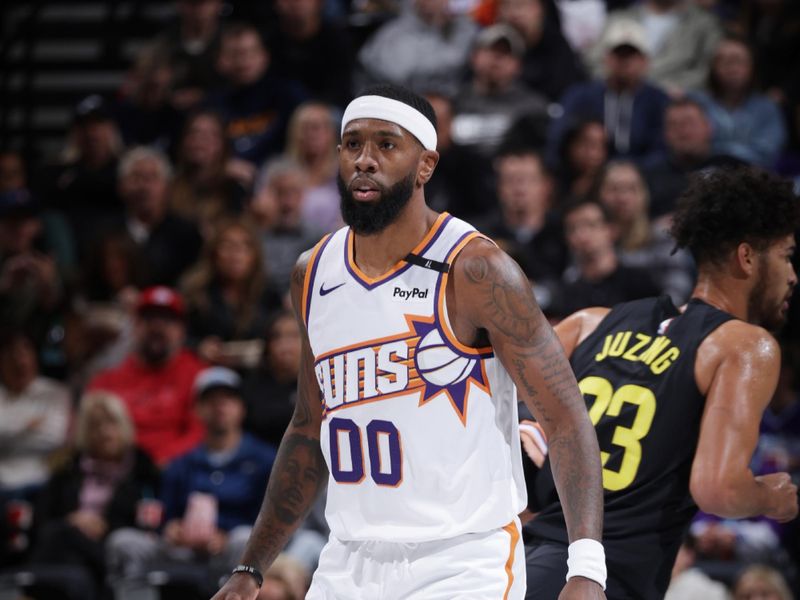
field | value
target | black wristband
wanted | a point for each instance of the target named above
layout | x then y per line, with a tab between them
252	571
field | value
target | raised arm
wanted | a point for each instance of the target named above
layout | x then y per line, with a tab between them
298	474
737	367
490	293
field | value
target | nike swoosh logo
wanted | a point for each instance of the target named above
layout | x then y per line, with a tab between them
324	292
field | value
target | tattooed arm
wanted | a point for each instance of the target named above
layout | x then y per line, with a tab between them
490	296
298	474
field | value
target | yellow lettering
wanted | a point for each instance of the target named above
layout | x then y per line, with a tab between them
620	343
658	346
663	362
604	352
644	339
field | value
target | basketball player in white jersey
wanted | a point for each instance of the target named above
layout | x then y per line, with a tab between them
418	334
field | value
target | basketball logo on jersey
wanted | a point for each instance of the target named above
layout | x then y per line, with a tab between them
417	360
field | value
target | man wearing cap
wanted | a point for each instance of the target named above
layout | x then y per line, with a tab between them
680	35
211	494
631	108
415	330
155	380
495	102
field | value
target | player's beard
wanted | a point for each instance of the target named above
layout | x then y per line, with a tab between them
367	218
762	309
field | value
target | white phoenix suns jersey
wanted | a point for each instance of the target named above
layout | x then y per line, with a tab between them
419	431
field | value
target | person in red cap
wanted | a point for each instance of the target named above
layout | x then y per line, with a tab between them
155	380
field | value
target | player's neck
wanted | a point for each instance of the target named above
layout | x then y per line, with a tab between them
377	253
723	292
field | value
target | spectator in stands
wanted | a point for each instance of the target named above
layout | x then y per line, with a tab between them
687	133
144	112
597	277
427	45
84	187
679	36
277	208
640	243
211	494
583	152
763	583
270	390
155	380
311	143
689	582
315	51
494	104
168	243
203	190
35	418
93	494
746	124
549	65
36	261
631	109
189	48
463	182
228	299
256	103
525	226
13	175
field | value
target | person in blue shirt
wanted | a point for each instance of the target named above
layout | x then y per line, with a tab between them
211	495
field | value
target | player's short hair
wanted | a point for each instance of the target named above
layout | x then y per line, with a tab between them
724	207
404	95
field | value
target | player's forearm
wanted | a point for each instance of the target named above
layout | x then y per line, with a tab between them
733	497
296	479
575	462
553	396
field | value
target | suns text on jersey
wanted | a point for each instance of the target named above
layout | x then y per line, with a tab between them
657	352
369	372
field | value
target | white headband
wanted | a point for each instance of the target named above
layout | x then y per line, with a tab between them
394	111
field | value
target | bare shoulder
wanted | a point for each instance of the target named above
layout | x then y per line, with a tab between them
740	346
481	261
580	325
299	276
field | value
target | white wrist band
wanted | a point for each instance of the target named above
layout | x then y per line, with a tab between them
587	559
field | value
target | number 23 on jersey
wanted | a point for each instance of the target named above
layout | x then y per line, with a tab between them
609	402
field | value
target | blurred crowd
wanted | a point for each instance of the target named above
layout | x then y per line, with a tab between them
148	354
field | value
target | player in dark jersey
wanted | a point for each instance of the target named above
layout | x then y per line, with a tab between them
677	394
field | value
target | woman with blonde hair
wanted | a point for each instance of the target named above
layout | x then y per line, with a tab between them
760	582
311	143
98	491
228	297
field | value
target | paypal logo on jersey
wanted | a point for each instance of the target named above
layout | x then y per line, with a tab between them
414	294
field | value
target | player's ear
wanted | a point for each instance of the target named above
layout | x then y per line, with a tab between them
746	258
427	163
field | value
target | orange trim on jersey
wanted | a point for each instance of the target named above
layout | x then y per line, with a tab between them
350	256
512	530
413	386
444	323
310	269
374	343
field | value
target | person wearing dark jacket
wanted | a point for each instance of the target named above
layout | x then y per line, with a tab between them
98	491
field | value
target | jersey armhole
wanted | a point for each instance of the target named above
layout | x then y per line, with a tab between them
441	301
311	272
